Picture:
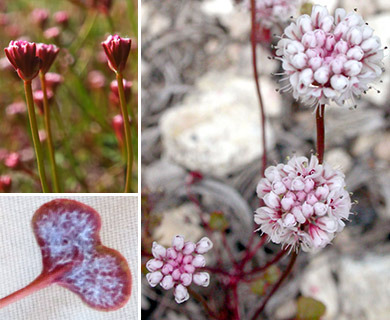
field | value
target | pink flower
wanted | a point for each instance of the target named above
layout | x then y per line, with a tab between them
38	99
52	33
13	161
5	183
305	203
96	80
117	125
47	53
329	58
22	55
270	12
40	17
117	50
53	80
176	267
61	17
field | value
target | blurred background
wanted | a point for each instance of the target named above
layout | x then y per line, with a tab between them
200	113
88	153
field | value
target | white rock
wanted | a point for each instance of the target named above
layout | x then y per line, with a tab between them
339	159
217	7
183	220
364	287
383	5
217	129
317	282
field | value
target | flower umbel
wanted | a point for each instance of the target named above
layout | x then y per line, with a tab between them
117	50
22	55
176	267
305	203
329	57
270	12
47	53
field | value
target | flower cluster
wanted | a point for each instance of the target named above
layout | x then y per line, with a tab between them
117	50
270	12
176	267
305	203
329	58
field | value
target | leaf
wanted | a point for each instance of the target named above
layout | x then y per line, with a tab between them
218	221
310	309
259	287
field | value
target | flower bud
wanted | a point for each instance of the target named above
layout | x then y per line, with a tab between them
201	279
181	293
203	245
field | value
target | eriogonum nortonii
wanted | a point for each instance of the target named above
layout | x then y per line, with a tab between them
270	12
47	53
176	267
117	50
23	57
305	203
329	57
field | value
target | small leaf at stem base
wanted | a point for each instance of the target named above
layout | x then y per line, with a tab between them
310	309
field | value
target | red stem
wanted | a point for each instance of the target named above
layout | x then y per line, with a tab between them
320	113
42	281
256	76
250	253
236	302
267	265
228	249
277	285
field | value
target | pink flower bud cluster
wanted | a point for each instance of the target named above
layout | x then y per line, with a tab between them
270	12
176	267
305	203
329	58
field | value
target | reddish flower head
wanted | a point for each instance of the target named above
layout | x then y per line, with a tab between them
47	53
5	183
22	55
117	50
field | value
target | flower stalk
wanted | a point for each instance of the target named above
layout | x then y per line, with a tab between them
128	139
258	91
46	111
35	135
320	114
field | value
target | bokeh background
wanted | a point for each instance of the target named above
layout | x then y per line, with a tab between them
87	151
200	113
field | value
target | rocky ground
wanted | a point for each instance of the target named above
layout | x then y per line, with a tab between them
200	112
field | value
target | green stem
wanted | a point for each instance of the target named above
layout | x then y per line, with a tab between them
46	110
126	123
84	31
35	135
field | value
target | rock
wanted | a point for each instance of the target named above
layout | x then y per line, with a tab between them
364	143
383	5
382	149
339	159
286	310
217	129
183	220
364	287
317	282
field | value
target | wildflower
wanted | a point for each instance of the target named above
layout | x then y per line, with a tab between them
47	53
270	12
305	203
52	33
13	161
38	99
22	55
62	18
96	80
117	50
329	58
40	17
53	80
176	267
5	183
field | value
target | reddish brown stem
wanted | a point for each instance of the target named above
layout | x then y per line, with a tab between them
320	113
211	313
250	253
267	265
236	302
277	285
256	76
42	281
